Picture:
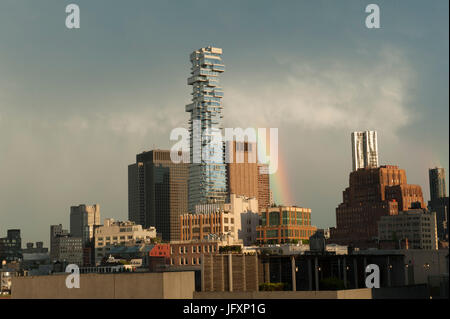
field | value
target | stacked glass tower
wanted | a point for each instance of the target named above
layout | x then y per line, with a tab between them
207	172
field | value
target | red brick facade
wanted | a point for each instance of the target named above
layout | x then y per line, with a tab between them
372	193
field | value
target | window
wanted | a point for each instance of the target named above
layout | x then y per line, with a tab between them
274	218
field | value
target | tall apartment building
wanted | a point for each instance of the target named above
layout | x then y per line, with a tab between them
158	192
207	172
64	247
11	246
117	233
373	193
284	224
439	200
83	219
264	194
416	226
364	150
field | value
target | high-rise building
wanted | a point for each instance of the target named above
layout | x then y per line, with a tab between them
373	193
265	198
83	219
364	150
158	192
242	170
207	172
64	247
439	201
437	183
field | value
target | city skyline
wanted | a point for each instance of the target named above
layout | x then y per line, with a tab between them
82	139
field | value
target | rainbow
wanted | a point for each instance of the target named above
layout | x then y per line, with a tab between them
279	183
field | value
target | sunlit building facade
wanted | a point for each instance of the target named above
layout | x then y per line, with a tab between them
207	173
364	150
285	224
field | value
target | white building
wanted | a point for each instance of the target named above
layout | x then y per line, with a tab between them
246	218
364	150
116	233
239	220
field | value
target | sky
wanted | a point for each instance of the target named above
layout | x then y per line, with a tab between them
77	105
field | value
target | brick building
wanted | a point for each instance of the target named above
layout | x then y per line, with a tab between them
264	193
242	169
237	220
372	193
189	253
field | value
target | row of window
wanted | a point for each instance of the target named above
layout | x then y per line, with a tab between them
185	261
195	249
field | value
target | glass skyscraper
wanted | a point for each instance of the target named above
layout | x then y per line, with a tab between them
437	183
207	172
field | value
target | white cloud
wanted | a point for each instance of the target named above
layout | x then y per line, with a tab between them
343	95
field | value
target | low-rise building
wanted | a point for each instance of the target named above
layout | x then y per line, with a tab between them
285	224
416	226
33	257
189	253
117	233
238	219
11	246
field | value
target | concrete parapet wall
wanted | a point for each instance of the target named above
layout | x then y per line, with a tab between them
168	285
364	293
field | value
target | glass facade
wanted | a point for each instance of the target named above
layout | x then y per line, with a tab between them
207	173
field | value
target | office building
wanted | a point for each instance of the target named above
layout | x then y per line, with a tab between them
417	227
203	225
235	221
245	211
285	224
242	169
83	219
265	198
158	192
372	193
117	233
439	201
437	183
364	150
11	246
65	248
207	172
